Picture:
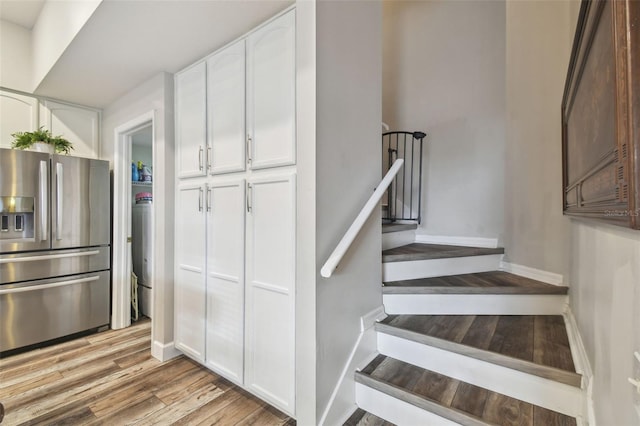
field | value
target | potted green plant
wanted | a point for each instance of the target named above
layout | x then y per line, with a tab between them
41	140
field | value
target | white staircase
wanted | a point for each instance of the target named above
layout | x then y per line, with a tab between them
465	343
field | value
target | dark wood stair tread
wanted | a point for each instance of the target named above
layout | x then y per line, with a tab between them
364	418
453	399
495	282
416	251
535	344
398	227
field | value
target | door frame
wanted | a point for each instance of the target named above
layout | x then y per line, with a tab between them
121	266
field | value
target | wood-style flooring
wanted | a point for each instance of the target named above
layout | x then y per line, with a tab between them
453	399
494	282
363	418
418	251
110	378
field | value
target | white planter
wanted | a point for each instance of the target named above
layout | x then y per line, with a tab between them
43	147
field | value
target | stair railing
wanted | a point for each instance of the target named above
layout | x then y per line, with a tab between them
404	198
338	253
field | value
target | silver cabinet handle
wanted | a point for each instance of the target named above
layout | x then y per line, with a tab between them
52	285
200	158
208	198
248	148
199	199
59	200
208	157
44	201
48	257
249	193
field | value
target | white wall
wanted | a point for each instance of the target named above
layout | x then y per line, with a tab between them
15	57
600	263
349	70
155	94
58	23
444	74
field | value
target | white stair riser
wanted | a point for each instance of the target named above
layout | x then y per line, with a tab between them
396	271
474	304
526	387
395	410
398	239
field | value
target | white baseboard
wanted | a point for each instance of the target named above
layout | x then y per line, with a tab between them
581	362
474	304
408	270
533	273
526	387
342	403
457	241
395	410
164	351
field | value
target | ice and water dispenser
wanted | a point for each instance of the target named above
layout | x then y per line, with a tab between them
16	218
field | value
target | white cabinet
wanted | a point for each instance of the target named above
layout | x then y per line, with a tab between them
271	93
225	278
191	121
18	113
226	109
270	287
189	288
80	126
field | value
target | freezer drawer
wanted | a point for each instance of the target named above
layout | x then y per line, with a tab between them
53	263
38	311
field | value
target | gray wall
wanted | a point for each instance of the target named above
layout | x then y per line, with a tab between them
444	74
600	263
349	70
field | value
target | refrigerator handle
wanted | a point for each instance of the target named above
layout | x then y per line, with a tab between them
44	202
59	199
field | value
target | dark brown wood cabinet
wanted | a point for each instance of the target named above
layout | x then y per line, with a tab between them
601	115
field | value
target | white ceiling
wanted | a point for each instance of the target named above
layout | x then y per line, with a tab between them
21	12
126	42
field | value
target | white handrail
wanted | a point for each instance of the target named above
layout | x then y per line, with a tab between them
334	259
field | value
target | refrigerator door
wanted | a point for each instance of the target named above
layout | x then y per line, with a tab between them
80	208
37	311
24	201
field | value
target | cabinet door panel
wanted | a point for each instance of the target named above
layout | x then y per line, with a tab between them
225	279
191	121
271	93
190	271
270	290
80	126
18	113
226	109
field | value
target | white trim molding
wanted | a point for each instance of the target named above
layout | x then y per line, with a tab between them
164	351
581	362
412	269
533	273
341	404
457	241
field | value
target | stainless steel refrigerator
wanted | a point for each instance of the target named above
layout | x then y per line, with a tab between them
54	246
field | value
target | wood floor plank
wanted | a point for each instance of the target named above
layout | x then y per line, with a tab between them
470	399
111	379
514	336
417	251
505	411
436	387
481	331
544	417
551	343
363	418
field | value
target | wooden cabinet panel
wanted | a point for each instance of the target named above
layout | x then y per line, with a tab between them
191	121
80	126
270	290
18	113
271	93
226	109
225	278
600	106
189	288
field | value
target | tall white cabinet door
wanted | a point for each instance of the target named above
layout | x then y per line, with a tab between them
225	278
189	288
269	343
80	126
191	121
226	109
18	113
271	93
